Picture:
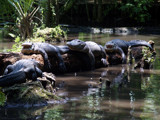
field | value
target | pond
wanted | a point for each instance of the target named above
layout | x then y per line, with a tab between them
116	92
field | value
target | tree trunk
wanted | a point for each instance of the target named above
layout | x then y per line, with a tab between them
99	19
26	28
49	19
55	3
87	10
94	10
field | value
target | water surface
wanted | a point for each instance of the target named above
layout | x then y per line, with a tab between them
117	92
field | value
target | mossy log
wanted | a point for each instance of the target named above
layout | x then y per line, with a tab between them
29	93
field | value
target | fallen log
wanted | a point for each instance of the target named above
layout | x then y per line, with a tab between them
73	61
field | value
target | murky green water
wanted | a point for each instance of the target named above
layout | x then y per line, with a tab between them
123	94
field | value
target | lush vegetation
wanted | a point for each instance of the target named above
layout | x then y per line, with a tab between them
137	9
25	18
28	21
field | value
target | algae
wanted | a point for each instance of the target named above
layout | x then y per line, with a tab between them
29	93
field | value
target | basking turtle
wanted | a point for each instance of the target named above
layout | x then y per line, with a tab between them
46	50
122	46
20	71
92	49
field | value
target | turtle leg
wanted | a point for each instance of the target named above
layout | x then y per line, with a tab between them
122	54
8	70
31	73
61	62
39	72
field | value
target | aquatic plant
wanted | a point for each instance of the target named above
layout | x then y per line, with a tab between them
2	98
148	57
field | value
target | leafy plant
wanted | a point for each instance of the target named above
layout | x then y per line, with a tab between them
57	32
9	31
51	33
137	9
17	46
23	7
6	15
147	55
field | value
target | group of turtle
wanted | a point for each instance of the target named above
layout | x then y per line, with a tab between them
28	68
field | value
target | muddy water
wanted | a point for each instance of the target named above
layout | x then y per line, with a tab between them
116	92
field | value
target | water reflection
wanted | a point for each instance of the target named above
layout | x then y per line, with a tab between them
117	92
123	100
152	100
106	93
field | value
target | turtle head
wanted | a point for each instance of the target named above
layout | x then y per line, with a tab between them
110	46
76	44
27	47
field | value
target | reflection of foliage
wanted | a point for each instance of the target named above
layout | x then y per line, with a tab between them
2	98
152	100
81	36
94	104
53	114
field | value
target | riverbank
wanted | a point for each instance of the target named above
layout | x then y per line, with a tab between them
116	30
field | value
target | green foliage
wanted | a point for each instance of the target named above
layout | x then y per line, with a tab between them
137	9
37	39
2	98
1	36
51	33
17	46
54	113
18	43
57	32
68	4
26	14
81	36
6	13
9	31
148	55
22	6
39	36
